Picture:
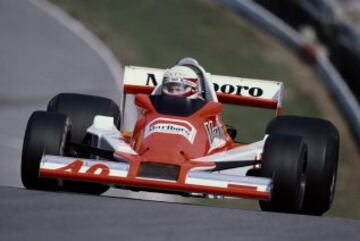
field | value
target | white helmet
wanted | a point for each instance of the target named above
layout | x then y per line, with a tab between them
181	81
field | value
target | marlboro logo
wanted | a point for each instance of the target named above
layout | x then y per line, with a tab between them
171	126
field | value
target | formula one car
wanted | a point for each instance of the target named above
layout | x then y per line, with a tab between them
180	145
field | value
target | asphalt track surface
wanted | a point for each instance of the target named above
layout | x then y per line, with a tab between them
58	216
39	58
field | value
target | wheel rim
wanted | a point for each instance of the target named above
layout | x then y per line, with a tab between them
302	190
332	187
302	180
64	138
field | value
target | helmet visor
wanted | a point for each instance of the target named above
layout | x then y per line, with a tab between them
177	88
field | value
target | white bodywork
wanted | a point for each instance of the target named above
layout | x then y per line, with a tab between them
110	138
107	136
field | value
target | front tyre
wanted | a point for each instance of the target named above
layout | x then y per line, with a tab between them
81	109
284	161
45	133
322	140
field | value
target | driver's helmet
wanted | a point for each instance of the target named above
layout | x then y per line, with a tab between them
181	81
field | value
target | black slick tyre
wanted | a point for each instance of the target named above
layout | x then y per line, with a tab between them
45	133
81	109
284	161
322	140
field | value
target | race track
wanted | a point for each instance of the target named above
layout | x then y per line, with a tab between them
39	58
58	216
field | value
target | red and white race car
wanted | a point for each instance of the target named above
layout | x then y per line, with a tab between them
179	145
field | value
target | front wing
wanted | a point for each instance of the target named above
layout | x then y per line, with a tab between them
118	174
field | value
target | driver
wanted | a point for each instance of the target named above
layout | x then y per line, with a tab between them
181	81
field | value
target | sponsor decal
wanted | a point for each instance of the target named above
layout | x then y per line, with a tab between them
215	135
171	126
237	86
226	88
78	166
151	80
238	90
212	131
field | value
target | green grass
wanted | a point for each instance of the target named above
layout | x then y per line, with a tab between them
156	33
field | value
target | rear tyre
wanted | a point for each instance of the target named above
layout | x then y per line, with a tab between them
45	133
81	110
322	140
284	160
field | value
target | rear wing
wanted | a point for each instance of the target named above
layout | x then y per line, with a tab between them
228	90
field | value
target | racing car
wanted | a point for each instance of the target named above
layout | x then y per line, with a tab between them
180	145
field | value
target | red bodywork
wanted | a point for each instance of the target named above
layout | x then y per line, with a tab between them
168	148
174	148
